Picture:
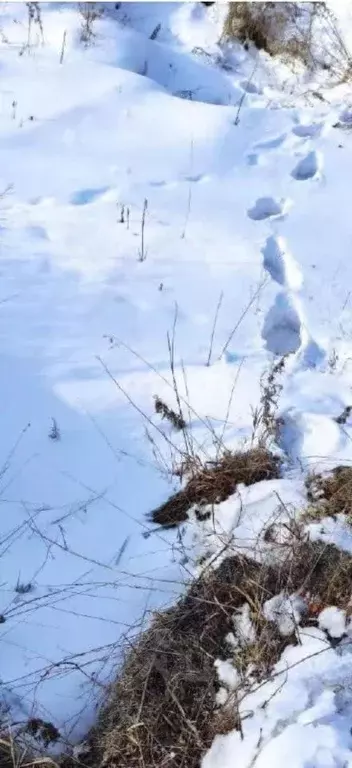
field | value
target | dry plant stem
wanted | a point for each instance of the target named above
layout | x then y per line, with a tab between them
243	314
242	99
185	401
142	251
136	407
214	327
221	439
63	46
171	348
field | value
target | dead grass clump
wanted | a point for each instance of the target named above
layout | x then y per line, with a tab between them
162	707
307	32
330	495
322	572
163	703
262	24
216	481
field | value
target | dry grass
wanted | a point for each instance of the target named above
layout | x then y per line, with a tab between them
164	699
307	32
330	495
90	13
15	754
215	482
162	708
163	702
263	24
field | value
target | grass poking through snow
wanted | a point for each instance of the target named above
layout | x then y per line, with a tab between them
216	481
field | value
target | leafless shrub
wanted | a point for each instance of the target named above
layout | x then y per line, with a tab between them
90	13
265	420
34	21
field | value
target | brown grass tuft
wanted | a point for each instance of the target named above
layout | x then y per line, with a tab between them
307	32
263	24
330	495
216	481
163	702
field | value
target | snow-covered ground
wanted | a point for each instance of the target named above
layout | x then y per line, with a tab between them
247	190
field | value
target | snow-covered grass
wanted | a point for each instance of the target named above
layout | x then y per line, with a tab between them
174	229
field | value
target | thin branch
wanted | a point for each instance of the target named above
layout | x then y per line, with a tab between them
214	326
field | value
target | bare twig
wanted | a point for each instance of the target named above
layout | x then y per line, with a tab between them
63	46
214	326
142	251
242	316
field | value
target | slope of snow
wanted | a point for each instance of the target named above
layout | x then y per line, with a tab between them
246	200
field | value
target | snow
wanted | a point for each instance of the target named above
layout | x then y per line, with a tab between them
332	531
246	182
299	717
227	674
243	626
239	524
285	611
333	620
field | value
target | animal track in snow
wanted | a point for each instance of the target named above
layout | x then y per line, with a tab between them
345	119
34	230
312	354
282	327
197	177
280	265
268	208
302	435
162	184
308	167
308	130
250	87
86	196
273	143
